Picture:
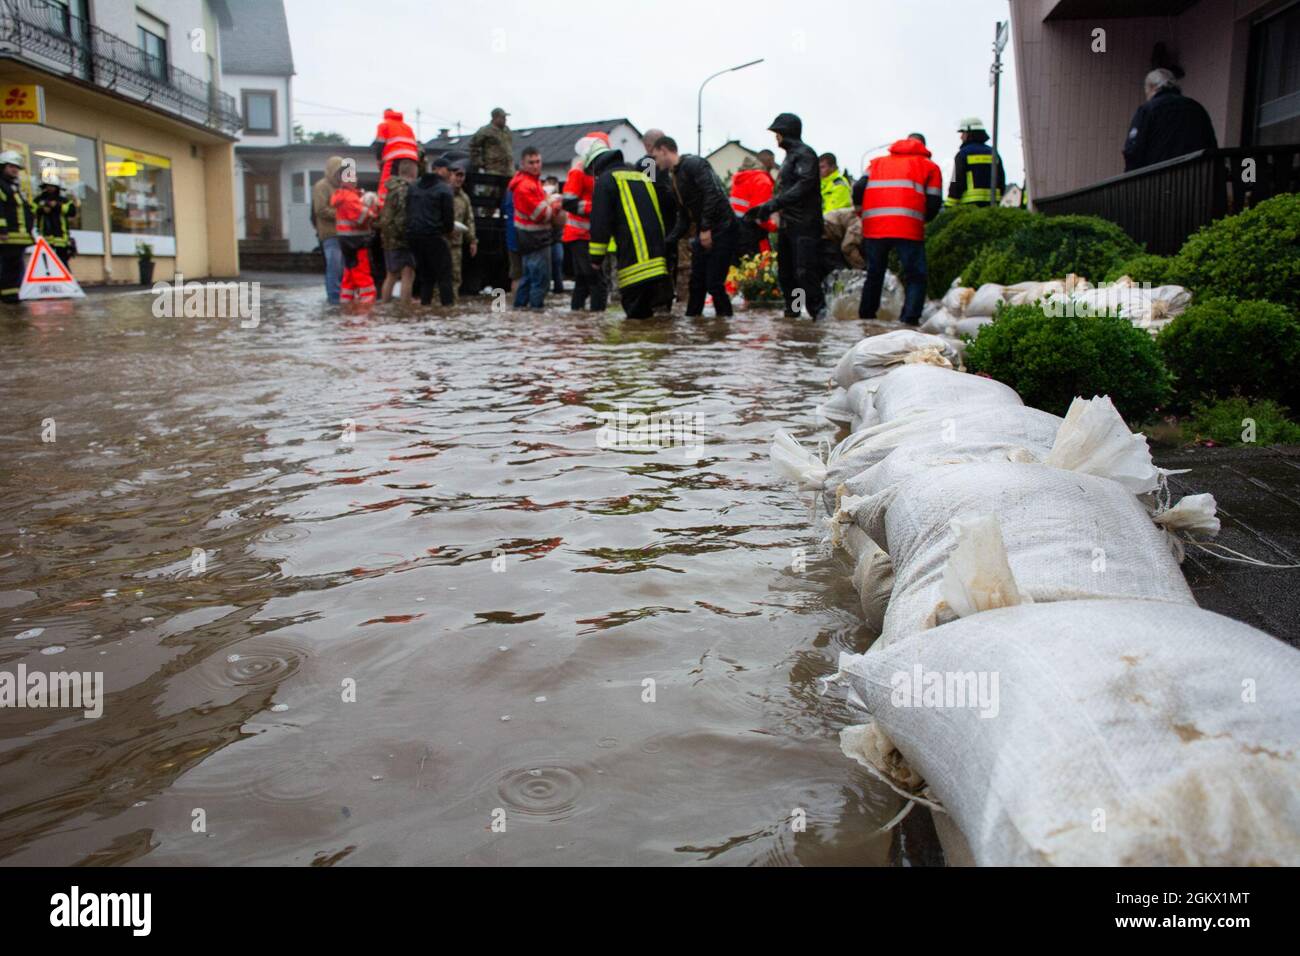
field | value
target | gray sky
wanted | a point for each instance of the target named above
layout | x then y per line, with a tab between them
868	75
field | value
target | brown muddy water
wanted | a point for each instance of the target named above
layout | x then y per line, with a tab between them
491	586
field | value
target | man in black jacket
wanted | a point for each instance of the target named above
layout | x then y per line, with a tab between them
701	202
430	225
799	237
1168	124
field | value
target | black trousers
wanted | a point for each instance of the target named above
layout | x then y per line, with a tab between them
642	298
709	272
11	272
587	280
432	268
378	269
799	266
748	238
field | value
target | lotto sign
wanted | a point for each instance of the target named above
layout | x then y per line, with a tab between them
23	104
47	277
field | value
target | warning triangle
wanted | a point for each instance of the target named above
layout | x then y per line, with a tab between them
47	277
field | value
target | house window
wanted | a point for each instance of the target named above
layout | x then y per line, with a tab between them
1277	79
139	200
259	111
51	155
151	35
300	188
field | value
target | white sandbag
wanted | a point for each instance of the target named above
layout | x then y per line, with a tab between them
942	431
871	747
877	354
912	387
1067	536
1094	440
1024	293
873	576
930	308
836	408
791	460
891	298
1194	515
970	325
861	401
910	460
1098	733
955	299
939	322
986	299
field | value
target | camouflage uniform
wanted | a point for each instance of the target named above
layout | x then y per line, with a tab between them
464	213
392	219
492	149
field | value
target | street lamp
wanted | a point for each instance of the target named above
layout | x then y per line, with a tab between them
699	104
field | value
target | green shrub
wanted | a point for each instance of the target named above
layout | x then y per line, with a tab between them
1052	360
1253	255
1226	422
955	236
1049	247
1144	267
1222	347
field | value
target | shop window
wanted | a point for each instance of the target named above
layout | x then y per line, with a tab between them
51	155
139	200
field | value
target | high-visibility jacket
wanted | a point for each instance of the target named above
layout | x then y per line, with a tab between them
972	177
397	137
352	217
532	212
837	192
576	196
750	188
53	222
625	210
15	216
894	204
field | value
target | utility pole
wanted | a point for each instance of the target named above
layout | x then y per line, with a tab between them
418	137
1000	35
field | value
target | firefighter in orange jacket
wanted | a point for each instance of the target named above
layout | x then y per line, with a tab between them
751	186
353	217
575	199
394	140
904	192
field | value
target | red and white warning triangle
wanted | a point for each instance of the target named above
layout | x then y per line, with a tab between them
47	277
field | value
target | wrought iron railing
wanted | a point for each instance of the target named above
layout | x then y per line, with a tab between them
47	34
1161	205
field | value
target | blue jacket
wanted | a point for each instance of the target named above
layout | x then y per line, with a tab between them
972	175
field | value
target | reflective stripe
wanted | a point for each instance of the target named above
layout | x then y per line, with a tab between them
578	222
894	211
933	191
895	184
568	195
979	159
641	271
639	248
532	226
737	201
597	248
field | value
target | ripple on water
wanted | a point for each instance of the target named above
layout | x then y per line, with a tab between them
545	790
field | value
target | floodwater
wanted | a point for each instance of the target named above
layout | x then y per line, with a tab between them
467	635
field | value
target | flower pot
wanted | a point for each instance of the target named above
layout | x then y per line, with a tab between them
146	271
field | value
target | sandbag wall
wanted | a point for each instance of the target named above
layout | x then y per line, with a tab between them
1042	676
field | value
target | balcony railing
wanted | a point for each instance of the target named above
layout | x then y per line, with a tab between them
1161	205
47	35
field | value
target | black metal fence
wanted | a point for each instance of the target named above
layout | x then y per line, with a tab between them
48	35
1161	205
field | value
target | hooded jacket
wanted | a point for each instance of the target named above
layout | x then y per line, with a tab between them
904	191
394	139
625	208
751	186
322	212
798	197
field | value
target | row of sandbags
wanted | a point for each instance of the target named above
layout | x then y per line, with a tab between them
963	310
1043	677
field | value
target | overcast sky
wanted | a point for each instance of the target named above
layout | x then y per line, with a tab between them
869	75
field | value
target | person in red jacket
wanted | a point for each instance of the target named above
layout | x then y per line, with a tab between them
576	201
394	140
353	218
532	218
751	185
904	191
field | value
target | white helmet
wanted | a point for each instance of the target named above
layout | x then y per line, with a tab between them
11	158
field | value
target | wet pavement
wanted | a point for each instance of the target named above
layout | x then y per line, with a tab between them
469	634
1258	494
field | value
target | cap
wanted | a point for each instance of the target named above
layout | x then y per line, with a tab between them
498	111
